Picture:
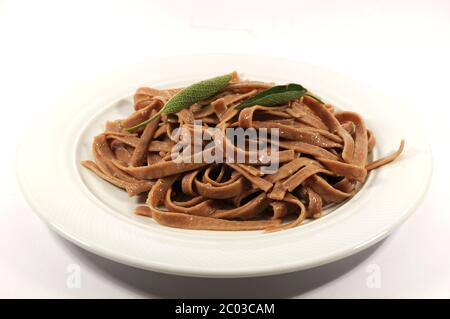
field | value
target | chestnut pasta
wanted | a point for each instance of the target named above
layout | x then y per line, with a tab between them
322	155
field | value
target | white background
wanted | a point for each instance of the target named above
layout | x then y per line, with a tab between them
399	47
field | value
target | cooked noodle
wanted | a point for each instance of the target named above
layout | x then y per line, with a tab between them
323	159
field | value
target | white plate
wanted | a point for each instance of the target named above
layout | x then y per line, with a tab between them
98	217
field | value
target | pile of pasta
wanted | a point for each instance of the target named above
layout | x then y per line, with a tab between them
322	157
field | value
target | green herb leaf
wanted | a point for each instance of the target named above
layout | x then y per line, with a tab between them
314	97
188	96
276	95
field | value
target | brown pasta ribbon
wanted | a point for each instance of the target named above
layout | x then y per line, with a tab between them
322	156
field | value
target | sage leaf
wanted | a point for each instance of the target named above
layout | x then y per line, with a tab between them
276	95
190	95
